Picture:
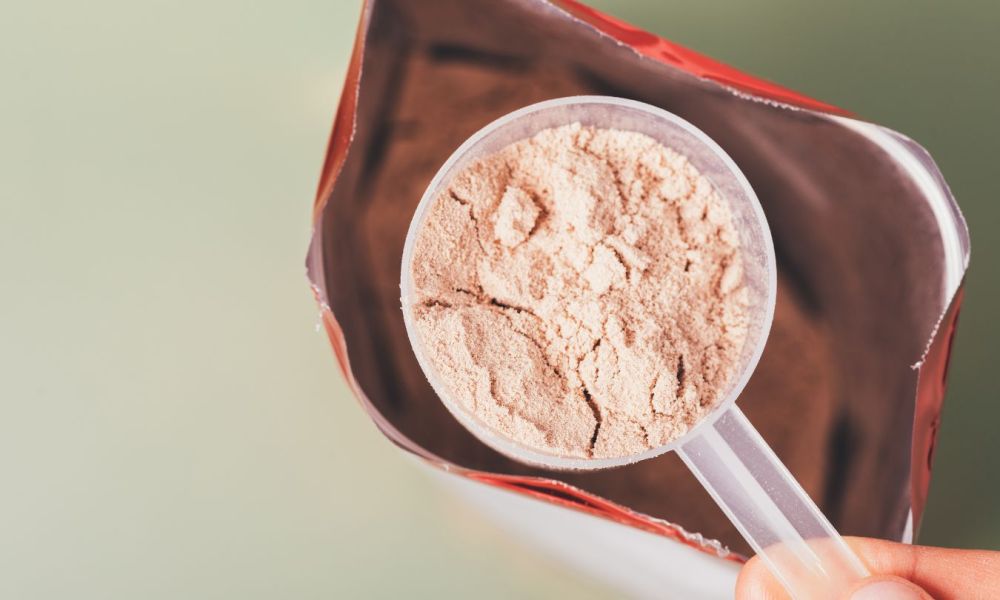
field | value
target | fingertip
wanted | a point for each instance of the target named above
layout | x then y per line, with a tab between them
888	588
755	582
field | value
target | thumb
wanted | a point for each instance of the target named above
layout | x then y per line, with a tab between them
887	588
946	574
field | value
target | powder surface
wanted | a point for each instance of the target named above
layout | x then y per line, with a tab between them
580	292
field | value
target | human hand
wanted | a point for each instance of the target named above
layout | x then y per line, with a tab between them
899	572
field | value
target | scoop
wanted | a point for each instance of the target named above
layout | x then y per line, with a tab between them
723	450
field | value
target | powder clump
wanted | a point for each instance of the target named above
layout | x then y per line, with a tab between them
580	292
516	216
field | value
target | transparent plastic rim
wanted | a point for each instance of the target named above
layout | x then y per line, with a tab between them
485	433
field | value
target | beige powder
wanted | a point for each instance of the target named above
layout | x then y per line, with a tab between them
580	292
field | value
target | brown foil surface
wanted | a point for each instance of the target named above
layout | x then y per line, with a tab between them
862	269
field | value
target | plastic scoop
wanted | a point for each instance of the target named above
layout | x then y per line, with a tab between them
723	450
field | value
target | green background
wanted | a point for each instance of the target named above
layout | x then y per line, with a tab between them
171	422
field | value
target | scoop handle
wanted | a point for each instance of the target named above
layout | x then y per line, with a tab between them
770	509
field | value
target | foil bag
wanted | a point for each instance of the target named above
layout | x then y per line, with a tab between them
871	250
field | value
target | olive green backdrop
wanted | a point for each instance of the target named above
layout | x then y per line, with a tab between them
172	424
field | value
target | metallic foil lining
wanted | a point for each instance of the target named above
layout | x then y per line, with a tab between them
871	253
